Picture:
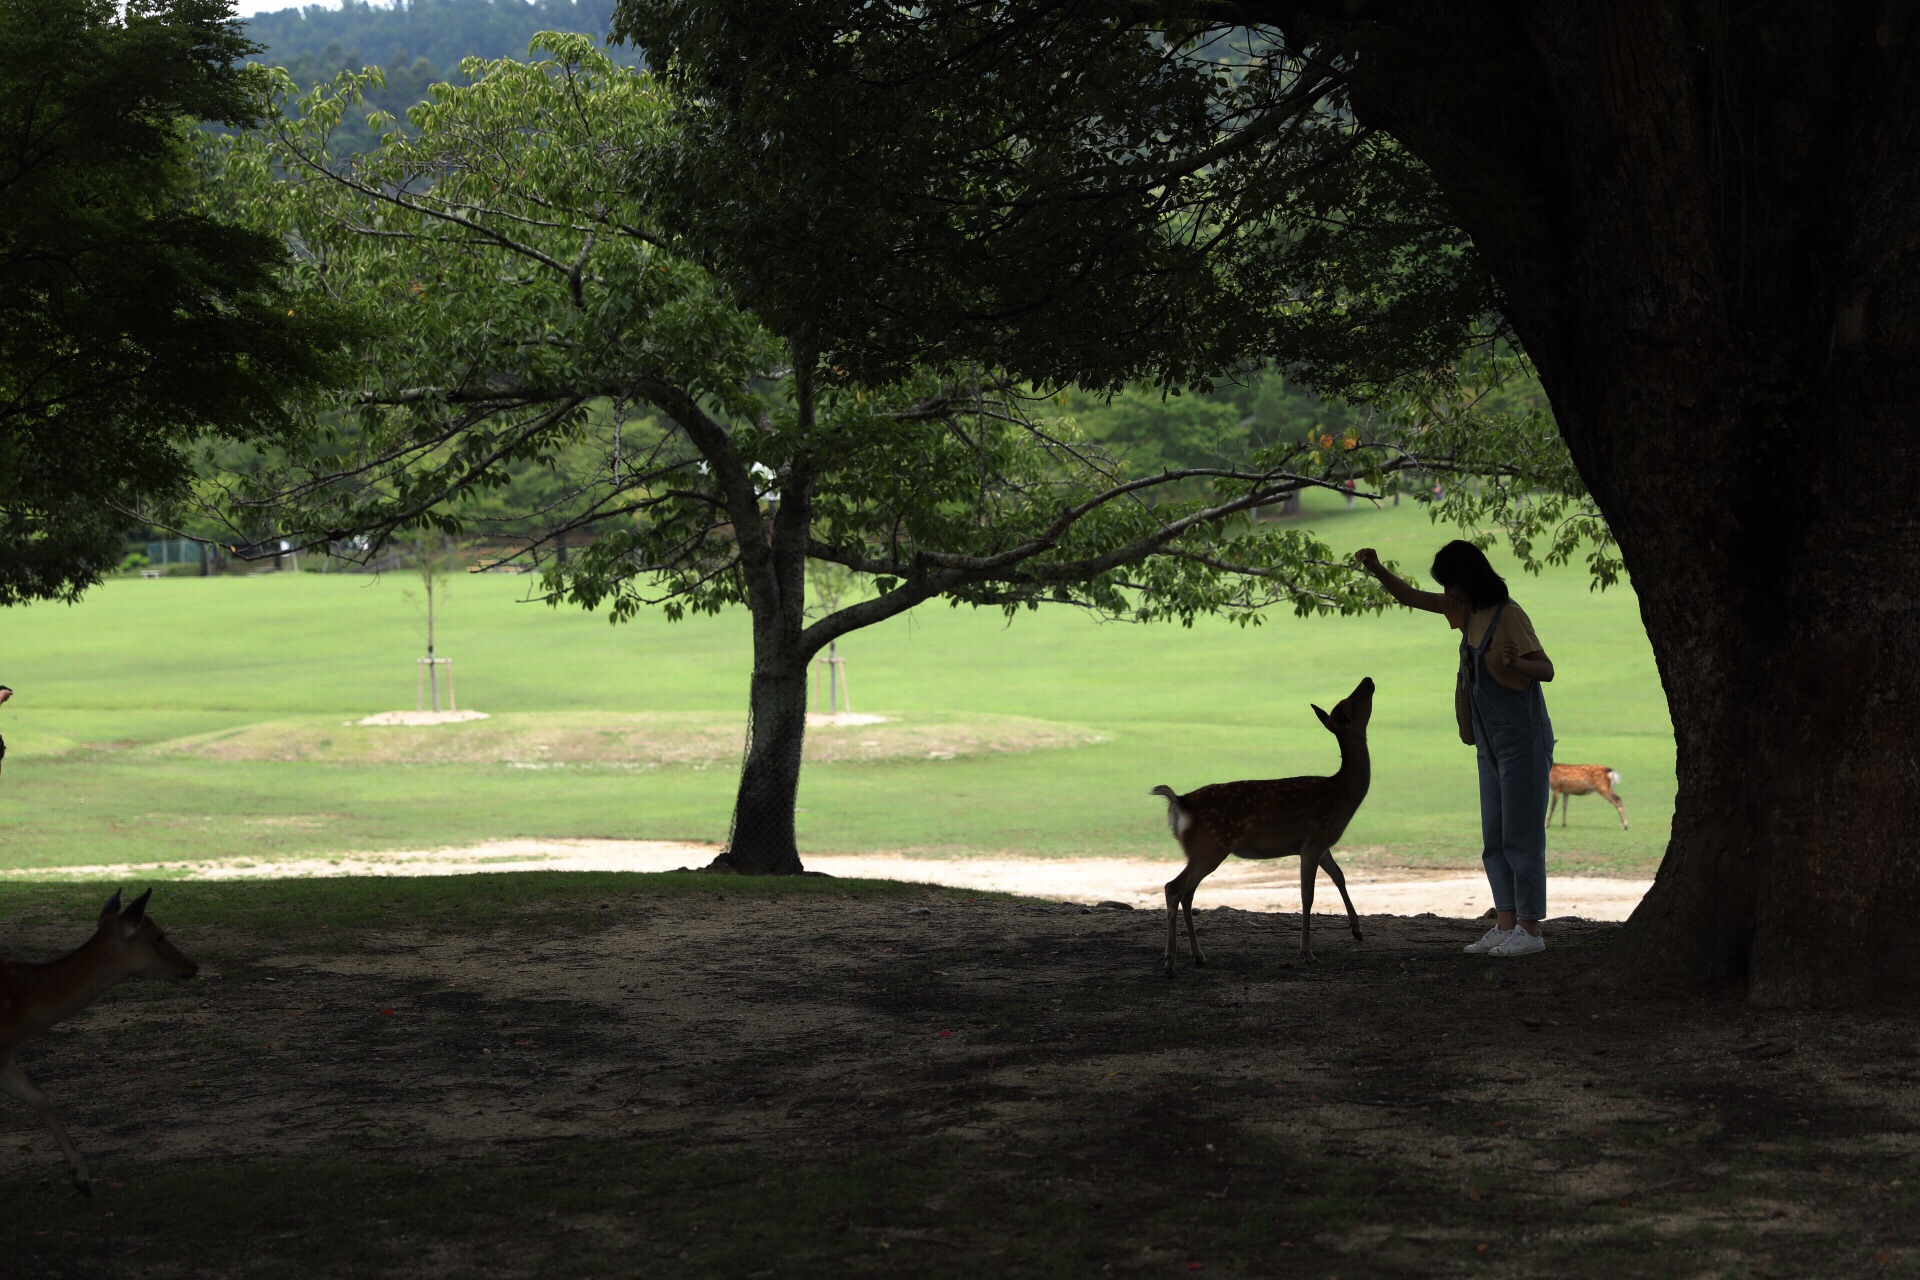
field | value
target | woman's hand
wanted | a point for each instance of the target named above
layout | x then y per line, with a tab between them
1430	601
1534	666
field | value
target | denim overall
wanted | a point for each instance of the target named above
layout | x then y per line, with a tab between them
1514	741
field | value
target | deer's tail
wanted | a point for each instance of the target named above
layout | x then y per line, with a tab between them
1177	816
1613	777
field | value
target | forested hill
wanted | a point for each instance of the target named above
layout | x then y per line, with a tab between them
417	43
440	31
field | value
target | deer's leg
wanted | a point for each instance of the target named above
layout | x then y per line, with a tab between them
1177	892
1340	883
14	1082
1619	807
1193	939
1308	866
1173	918
1553	798
1180	898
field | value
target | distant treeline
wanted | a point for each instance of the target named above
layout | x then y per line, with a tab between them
440	31
417	43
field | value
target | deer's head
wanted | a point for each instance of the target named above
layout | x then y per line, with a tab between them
1349	716
141	947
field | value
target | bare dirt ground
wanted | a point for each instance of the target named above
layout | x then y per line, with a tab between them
1378	886
863	1080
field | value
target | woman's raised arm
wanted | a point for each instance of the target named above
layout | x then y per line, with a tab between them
1427	601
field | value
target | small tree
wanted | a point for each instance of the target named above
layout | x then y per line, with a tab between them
829	584
434	561
526	286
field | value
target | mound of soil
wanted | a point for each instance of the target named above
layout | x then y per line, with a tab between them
717	1084
617	739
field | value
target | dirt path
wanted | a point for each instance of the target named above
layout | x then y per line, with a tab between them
1249	886
718	1084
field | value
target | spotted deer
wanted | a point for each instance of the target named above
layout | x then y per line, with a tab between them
125	944
1569	780
1273	818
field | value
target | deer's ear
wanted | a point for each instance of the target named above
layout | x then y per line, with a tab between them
136	912
113	906
1325	719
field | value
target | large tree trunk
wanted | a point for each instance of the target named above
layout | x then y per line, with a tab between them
774	554
1702	221
762	841
1785	613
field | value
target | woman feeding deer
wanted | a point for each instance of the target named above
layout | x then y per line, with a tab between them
1503	715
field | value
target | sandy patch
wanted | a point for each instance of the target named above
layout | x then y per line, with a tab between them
414	718
616	740
1248	886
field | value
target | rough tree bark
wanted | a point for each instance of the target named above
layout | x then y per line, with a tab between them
762	840
1702	219
773	554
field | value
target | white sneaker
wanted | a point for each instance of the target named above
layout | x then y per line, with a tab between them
1495	937
1520	943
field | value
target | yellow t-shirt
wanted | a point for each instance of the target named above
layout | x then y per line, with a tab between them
1514	626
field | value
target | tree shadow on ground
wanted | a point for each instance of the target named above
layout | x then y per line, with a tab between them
732	1085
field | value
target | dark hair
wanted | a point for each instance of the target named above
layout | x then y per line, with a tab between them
1463	565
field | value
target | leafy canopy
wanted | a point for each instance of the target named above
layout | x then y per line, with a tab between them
1073	192
510	241
1096	194
131	322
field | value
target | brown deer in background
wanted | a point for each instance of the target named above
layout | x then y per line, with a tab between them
1569	780
1273	818
125	944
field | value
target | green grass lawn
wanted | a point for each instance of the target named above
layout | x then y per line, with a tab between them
142	662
